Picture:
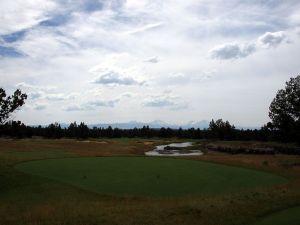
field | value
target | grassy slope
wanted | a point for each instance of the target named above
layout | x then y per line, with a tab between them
149	176
27	199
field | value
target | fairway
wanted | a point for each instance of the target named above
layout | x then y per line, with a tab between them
149	176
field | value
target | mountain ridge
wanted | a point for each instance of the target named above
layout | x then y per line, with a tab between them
155	124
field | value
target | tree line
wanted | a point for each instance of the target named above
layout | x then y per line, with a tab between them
284	112
218	129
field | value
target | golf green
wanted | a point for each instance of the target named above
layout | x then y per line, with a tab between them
149	175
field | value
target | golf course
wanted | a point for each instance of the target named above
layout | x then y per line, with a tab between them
111	181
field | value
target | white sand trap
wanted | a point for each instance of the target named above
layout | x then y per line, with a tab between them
161	151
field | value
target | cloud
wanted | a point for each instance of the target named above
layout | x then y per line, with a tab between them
44	42
51	96
165	100
71	108
45	92
152	60
39	106
158	102
18	15
269	39
60	96
92	105
60	43
232	51
237	50
35	87
35	95
127	95
113	78
101	103
144	28
180	79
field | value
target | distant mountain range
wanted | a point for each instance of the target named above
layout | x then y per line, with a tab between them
156	124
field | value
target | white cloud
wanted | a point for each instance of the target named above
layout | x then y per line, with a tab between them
165	100
35	87
127	95
232	51
113	78
18	14
101	103
236	50
44	92
76	108
92	105
35	95
60	96
270	39
38	106
178	79
116	40
44	42
144	28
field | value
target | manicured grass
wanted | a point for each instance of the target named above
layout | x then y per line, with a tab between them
149	176
289	216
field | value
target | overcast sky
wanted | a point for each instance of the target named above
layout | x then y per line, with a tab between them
171	60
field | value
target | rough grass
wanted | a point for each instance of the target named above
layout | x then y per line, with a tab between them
30	200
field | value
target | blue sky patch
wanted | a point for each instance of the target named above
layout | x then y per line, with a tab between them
55	21
13	37
92	5
9	52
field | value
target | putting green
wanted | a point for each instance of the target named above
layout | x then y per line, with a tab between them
149	175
